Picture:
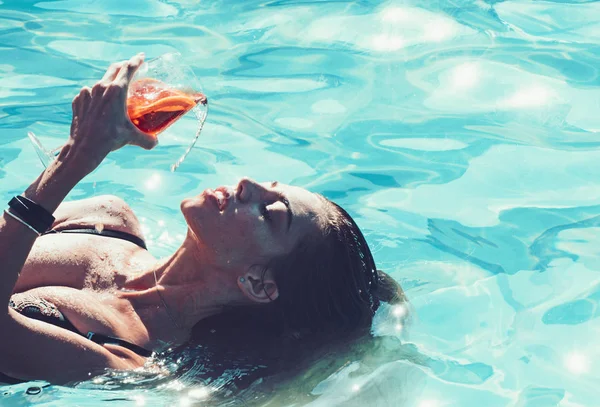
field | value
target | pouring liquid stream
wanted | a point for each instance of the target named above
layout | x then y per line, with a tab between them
201	116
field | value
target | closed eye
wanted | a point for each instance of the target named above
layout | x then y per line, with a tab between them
266	214
264	211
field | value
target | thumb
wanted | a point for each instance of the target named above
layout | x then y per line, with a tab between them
144	140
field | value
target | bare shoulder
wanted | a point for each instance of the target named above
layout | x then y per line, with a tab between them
104	211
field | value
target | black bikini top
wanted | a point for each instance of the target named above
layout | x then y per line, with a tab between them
44	311
47	312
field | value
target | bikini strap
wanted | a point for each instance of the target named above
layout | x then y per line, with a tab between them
104	232
101	339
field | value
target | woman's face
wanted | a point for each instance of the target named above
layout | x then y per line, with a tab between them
249	224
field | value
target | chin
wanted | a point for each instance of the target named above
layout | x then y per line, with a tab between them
192	209
189	204
200	213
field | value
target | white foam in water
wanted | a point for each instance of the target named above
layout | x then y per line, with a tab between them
577	363
424	144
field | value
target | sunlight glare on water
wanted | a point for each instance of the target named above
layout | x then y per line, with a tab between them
463	136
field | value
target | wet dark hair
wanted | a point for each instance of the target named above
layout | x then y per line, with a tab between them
329	289
329	285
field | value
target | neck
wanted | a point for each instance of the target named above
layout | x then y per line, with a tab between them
177	292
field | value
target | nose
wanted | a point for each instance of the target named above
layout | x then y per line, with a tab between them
248	189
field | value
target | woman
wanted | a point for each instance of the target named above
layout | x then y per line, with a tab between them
87	295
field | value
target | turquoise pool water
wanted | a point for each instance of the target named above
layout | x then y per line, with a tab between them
462	134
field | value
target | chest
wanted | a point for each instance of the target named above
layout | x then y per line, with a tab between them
79	261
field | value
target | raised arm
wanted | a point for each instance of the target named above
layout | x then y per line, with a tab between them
100	125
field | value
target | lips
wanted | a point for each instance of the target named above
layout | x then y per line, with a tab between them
223	195
221	201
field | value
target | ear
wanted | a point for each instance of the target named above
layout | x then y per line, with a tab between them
258	285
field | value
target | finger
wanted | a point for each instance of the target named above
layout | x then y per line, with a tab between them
112	71
98	90
129	69
79	106
84	99
74	124
75	104
96	94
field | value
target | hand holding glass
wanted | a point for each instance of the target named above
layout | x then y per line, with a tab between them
162	91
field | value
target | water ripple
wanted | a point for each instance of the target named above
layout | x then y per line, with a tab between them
461	134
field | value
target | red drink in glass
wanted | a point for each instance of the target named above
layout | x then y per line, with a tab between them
153	106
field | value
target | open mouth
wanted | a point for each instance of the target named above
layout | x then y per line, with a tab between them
223	195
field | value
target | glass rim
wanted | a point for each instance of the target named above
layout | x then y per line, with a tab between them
162	56
171	62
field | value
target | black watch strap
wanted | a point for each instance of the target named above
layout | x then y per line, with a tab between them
31	213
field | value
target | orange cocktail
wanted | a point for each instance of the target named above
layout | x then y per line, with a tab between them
153	106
